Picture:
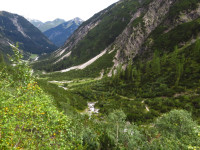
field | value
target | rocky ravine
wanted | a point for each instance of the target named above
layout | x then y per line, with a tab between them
129	43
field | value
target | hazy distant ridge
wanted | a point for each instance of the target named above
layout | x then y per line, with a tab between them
46	25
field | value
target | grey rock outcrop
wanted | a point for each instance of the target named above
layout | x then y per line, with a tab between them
129	43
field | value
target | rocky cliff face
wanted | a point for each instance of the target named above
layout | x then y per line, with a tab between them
143	23
129	43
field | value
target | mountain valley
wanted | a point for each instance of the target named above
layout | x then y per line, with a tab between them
127	78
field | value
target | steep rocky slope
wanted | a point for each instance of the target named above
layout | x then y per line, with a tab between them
161	17
129	28
59	34
14	28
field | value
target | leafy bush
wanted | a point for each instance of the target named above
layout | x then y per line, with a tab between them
175	130
176	122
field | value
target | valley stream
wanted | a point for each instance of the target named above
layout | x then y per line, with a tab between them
92	109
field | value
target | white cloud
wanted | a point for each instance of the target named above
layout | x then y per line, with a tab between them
46	10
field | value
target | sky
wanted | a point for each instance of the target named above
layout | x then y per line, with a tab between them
48	10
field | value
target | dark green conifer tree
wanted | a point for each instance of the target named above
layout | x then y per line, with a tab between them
156	63
179	69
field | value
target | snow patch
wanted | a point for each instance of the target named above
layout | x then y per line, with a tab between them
85	64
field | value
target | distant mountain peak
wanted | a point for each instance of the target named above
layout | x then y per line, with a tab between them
33	20
58	19
78	19
59	34
47	25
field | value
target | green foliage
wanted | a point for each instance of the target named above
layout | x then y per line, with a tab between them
91	139
29	120
137	78
22	72
176	122
123	134
179	69
175	130
128	71
180	6
64	100
143	97
2	61
158	81
138	86
156	63
117	119
167	41
197	47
